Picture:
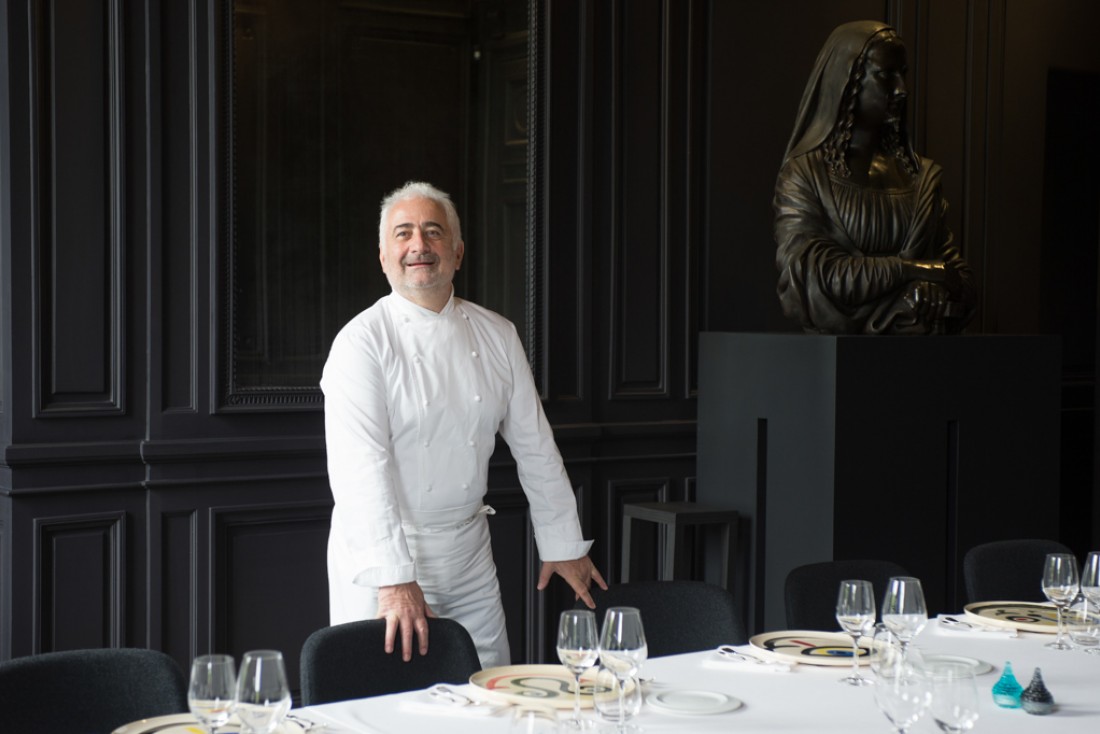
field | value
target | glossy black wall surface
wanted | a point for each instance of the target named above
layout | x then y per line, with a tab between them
143	502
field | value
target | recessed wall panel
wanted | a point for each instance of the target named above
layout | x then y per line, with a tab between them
640	321
79	580
79	242
270	581
177	577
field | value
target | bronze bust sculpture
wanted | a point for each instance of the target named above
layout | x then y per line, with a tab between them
860	219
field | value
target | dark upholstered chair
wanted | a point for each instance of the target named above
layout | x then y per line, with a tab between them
88	690
810	591
349	661
1008	570
678	616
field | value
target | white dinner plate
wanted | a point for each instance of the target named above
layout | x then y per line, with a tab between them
811	648
695	703
980	667
188	724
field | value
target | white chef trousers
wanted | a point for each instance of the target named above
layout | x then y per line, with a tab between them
455	570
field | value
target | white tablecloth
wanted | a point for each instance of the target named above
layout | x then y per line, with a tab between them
807	700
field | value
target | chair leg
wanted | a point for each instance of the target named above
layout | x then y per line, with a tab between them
624	562
729	540
674	535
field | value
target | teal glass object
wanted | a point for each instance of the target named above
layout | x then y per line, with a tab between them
1007	690
1036	699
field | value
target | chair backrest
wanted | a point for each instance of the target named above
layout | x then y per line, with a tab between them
1008	570
88	691
678	616
349	661
810	591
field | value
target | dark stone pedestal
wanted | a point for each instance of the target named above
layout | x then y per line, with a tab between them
908	449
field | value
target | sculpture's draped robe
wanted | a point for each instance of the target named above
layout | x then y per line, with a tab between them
840	247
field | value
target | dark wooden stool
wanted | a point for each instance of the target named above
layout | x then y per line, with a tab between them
676	516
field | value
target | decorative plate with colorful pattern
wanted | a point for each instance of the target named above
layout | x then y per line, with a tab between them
812	648
545	685
1018	615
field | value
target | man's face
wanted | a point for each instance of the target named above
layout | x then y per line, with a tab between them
418	254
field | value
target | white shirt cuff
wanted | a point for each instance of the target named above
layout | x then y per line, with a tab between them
386	575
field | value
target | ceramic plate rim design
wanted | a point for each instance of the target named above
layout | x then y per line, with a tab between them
480	680
180	723
840	639
974	610
723	702
155	723
981	667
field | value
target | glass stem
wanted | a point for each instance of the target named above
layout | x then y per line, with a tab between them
622	703
1058	609
577	701
855	656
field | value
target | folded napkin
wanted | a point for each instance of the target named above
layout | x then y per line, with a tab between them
754	662
341	716
422	703
951	625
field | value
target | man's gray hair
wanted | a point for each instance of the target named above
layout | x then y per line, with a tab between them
420	190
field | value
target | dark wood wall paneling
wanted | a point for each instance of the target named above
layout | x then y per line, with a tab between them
140	506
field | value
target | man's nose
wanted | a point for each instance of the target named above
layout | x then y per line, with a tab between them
418	241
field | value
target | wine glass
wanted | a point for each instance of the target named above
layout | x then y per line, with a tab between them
606	690
901	692
903	609
1090	578
212	691
263	697
578	651
954	697
855	611
1060	586
1083	625
623	649
528	719
884	647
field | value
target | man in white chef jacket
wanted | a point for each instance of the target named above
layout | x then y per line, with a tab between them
416	388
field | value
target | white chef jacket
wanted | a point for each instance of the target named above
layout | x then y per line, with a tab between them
413	402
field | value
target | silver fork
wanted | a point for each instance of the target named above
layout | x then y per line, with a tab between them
955	622
305	723
728	651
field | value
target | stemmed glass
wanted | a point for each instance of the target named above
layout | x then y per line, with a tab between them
212	691
1060	585
530	719
578	651
1090	590
855	611
901	692
1083	625
903	609
263	697
954	697
623	649
1090	578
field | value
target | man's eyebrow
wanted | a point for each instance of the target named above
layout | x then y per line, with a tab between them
410	225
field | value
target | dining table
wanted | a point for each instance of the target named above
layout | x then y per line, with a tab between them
769	697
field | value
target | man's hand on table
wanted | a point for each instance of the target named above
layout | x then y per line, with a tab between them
405	611
578	573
